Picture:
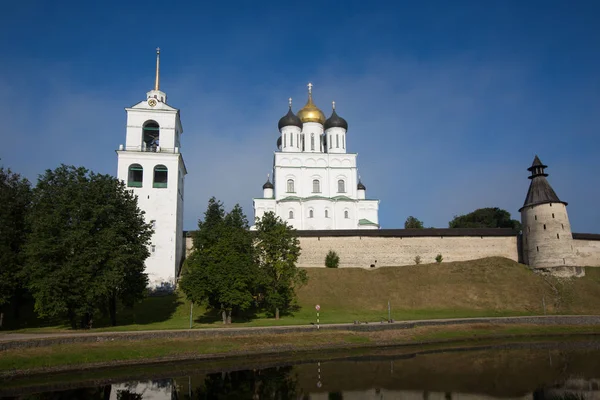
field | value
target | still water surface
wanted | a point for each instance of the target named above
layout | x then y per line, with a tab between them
557	370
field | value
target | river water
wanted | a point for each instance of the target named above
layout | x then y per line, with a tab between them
540	370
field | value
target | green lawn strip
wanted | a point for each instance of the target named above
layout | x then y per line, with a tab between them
107	352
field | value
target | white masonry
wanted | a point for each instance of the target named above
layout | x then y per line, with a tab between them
315	180
151	165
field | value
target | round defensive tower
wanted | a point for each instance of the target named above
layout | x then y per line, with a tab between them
547	239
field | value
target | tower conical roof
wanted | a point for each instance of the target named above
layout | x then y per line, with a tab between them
540	191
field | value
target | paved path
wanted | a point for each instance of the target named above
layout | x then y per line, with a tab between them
23	340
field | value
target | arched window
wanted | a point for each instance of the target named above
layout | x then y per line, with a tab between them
291	139
343	141
337	141
284	140
150	135
312	141
346	214
330	142
161	176
135	176
341	186
290	186
316	186
311	214
291	215
326	213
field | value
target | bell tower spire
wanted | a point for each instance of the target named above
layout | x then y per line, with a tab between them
156	94
157	82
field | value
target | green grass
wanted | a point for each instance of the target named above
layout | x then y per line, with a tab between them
491	287
122	352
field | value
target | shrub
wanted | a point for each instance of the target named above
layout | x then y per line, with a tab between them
418	260
332	260
438	258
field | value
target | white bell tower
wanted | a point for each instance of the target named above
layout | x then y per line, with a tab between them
151	165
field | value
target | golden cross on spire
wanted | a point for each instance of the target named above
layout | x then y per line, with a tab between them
290	102
333	104
157	82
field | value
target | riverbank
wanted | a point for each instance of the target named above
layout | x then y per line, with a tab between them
90	351
491	287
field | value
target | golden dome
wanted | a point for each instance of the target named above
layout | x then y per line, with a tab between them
310	112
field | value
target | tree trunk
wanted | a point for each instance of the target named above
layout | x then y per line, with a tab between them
276	312
72	319
112	309
1	318
224	315
229	317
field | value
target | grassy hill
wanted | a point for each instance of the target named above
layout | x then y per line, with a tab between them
485	287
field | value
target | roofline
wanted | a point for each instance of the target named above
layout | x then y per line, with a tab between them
542	202
586	236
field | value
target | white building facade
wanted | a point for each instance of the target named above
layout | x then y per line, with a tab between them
315	180
152	166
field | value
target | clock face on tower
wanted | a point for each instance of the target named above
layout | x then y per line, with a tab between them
151	102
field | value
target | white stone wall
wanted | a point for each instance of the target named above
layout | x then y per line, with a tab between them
587	252
547	238
361	252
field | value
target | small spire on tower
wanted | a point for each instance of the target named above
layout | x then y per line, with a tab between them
310	85
333	105
290	102
157	82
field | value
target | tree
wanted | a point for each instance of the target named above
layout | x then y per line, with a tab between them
221	270
332	259
485	218
413	223
15	198
87	246
278	249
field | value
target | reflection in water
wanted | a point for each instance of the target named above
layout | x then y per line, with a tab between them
558	371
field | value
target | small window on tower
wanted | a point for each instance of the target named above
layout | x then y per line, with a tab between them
290	186
330	142
341	186
326	213
136	175
161	176
535	217
337	141
284	140
312	141
346	214
552	215
291	215
557	236
153	249
544	226
291	139
311	214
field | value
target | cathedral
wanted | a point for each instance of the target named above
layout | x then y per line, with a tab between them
315	184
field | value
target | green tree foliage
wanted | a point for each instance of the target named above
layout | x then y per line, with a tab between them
439	258
221	270
413	223
485	218
332	259
15	201
87	245
278	249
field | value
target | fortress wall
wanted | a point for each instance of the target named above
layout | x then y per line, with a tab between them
587	251
361	252
400	247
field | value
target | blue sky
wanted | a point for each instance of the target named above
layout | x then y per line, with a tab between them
447	102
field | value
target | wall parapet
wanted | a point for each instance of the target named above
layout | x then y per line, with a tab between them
432	232
586	236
